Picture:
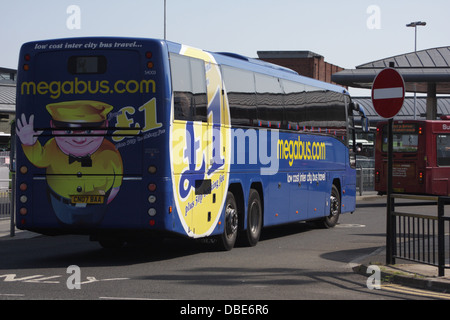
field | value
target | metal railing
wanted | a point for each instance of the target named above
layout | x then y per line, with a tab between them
365	179
421	237
5	184
5	198
5	203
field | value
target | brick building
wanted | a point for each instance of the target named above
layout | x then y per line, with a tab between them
306	63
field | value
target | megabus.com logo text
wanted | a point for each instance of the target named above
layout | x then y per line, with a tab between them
76	86
301	150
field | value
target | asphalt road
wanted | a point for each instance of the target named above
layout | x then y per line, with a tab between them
292	262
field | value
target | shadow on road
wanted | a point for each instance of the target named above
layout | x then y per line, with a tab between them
62	251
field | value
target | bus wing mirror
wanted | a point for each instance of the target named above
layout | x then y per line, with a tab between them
364	120
365	124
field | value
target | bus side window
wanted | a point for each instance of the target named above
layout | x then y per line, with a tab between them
240	86
199	89
443	150
189	88
294	103
269	100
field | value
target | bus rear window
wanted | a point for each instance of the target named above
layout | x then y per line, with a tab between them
402	142
405	138
87	64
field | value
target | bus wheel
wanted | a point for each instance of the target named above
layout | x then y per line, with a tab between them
254	218
335	208
229	235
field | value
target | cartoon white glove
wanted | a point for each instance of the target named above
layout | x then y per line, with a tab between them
25	131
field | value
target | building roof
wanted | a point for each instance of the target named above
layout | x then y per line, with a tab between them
7	98
407	111
417	68
288	55
430	58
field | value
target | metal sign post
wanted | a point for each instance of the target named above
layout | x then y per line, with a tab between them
390	219
388	95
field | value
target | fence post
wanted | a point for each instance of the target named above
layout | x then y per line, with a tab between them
441	237
361	181
12	169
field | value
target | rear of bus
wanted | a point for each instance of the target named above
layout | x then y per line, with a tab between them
409	157
90	125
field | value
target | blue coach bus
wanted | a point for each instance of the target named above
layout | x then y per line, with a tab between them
119	138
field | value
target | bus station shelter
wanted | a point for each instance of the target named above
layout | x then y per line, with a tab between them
426	71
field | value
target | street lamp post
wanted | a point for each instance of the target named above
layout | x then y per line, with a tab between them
165	19
415	25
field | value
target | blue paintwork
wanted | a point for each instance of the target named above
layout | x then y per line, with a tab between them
285	199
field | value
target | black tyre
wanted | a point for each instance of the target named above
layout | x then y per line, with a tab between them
227	240
335	208
254	219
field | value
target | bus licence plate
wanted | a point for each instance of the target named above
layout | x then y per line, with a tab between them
89	199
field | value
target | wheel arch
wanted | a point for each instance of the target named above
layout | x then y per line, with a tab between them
337	183
259	188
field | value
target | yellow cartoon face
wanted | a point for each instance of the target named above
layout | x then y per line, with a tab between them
79	126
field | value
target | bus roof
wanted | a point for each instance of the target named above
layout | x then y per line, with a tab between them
256	65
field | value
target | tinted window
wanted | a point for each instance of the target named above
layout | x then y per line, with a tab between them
262	100
189	88
240	86
87	64
294	103
269	100
314	109
199	89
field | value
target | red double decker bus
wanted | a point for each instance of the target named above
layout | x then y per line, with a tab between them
421	157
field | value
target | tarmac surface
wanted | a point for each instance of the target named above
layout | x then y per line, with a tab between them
405	273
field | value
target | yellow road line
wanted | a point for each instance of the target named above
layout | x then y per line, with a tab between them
416	292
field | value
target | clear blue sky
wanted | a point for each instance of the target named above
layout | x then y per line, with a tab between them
337	30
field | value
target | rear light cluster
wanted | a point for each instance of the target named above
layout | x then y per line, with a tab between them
377	176
26	65
152	197
149	55
420	177
23	197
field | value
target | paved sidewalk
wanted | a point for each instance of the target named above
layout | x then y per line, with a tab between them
5	231
404	272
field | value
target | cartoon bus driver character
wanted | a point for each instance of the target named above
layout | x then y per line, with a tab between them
83	169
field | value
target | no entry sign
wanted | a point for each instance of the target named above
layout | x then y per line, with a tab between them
388	93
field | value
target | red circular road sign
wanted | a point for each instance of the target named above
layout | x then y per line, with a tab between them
388	93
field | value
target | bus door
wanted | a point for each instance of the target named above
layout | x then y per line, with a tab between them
440	181
84	171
